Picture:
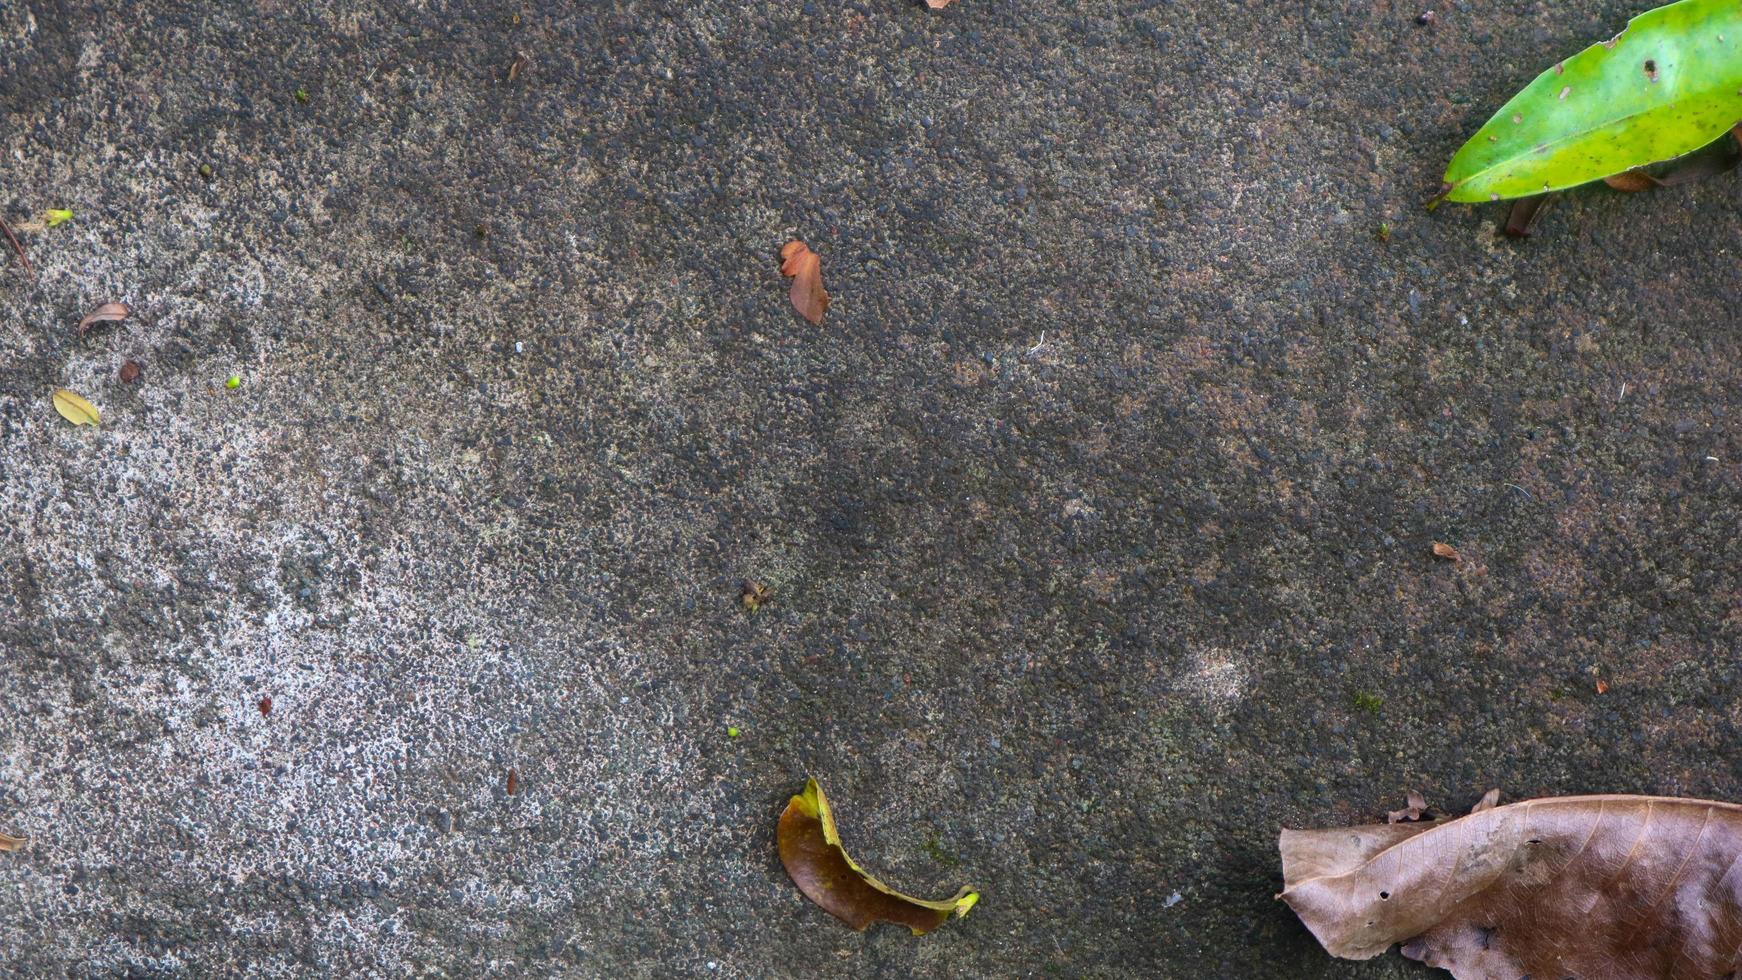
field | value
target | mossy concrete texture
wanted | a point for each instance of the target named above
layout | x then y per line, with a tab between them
1098	513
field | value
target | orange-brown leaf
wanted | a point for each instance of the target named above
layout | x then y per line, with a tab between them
1631	181
1620	887
806	269
1446	551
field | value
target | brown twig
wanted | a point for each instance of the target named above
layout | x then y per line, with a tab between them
16	247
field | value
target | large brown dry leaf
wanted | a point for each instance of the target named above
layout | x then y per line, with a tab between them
812	853
806	269
1613	887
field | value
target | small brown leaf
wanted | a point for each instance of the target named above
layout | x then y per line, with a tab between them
1631	181
1446	551
102	314
75	409
754	595
1414	807
10	843
513	781
130	372
1489	801
1602	686
806	269
812	853
938	4
265	705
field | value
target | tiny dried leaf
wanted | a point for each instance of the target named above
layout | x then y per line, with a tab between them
806	270
1619	887
1602	686
10	843
938	4
103	314
1489	801
812	853
75	409
755	595
513	781
130	372
1414	807
265	705
1446	551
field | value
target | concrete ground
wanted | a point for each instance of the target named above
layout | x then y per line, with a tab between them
1098	511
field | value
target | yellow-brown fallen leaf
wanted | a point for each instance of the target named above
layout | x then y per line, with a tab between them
1446	551
811	850
1618	887
809	297
75	409
105	313
10	843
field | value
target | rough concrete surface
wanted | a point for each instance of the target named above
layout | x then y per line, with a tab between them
1098	511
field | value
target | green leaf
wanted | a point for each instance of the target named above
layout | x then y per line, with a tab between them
54	216
1668	84
812	853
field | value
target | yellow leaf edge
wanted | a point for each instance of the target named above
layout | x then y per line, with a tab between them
812	803
76	409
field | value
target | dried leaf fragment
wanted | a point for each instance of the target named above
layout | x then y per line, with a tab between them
10	843
1619	887
805	268
1414	807
75	409
938	4
812	853
755	595
108	312
1446	551
130	372
1602	686
513	781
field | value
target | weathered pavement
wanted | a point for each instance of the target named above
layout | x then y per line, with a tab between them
1098	511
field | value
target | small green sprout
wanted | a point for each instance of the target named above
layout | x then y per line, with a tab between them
54	216
234	381
301	94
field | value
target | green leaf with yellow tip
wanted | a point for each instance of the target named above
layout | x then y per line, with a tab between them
811	850
1668	84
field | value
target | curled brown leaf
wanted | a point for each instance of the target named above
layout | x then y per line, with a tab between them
10	843
103	314
812	853
1620	887
130	372
806	271
1446	551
